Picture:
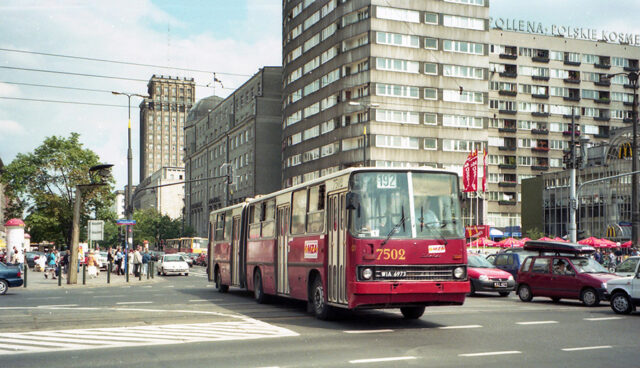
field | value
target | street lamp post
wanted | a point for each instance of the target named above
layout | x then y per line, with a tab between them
129	202
635	212
364	143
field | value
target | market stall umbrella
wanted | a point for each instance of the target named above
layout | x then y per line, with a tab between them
592	241
626	244
482	242
544	238
557	238
609	243
510	242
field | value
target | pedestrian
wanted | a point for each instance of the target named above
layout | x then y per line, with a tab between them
130	262
137	262
52	265
93	269
597	256
19	255
64	263
110	257
119	257
146	258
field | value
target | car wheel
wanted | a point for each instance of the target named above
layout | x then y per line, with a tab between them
258	291
555	299
472	290
320	308
4	286
504	294
186	273
218	279
524	293
589	297
621	304
412	312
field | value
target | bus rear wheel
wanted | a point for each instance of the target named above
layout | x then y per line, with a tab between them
218	279
412	312
258	290
320	308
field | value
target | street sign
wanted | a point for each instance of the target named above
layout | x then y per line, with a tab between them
95	229
125	222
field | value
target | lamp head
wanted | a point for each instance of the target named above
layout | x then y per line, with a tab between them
100	174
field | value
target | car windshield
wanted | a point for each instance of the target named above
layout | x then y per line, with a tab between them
628	265
174	258
479	262
587	265
405	205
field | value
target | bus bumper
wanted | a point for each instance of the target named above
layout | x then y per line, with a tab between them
398	294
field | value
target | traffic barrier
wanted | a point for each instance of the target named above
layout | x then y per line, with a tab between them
59	274
108	272
26	267
84	274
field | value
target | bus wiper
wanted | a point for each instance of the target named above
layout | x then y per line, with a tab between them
421	218
395	227
439	232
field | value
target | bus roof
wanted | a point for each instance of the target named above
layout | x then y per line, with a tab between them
557	247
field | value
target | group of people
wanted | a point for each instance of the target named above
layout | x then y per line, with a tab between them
138	260
614	256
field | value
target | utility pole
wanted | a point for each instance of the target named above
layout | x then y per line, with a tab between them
572	183
635	214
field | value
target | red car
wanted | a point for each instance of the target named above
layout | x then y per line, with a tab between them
484	276
563	271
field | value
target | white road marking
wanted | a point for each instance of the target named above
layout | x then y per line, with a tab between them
536	323
588	348
491	353
242	328
209	285
366	331
602	318
57	305
170	286
124	303
456	327
203	300
389	359
109	296
46	297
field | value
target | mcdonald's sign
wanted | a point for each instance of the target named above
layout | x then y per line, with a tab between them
476	231
625	150
611	232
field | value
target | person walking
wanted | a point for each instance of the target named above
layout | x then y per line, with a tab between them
146	258
52	264
110	258
119	257
130	263
137	262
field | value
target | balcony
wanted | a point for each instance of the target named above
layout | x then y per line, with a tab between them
602	135
507	148
572	63
572	80
604	100
508	74
568	116
508	56
540	77
601	118
569	132
542	96
627	103
630	86
505	202
571	98
507	93
603	83
508	184
507	166
507	130
507	112
540	149
627	120
539	131
540	167
540	114
631	69
540	59
602	66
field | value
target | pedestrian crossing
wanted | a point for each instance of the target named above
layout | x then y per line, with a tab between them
99	338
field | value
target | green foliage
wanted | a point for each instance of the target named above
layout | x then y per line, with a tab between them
534	233
44	181
153	227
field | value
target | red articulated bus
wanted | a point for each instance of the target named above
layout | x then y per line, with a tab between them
358	238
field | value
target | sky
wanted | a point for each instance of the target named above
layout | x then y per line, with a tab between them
233	38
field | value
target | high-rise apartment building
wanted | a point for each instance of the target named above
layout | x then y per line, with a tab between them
411	74
162	118
424	83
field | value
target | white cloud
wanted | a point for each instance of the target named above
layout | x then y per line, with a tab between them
11	128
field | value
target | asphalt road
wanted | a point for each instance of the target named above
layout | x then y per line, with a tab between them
182	321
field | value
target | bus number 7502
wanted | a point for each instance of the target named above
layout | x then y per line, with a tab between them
394	254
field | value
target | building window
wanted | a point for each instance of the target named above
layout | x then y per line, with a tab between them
394	141
430	144
393	90
431	43
402	15
463	22
393	116
396	39
430	94
463	47
430	118
398	65
431	18
431	68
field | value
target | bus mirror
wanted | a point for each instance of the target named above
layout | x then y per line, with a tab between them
352	201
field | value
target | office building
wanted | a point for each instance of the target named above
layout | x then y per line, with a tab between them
240	133
157	192
162	118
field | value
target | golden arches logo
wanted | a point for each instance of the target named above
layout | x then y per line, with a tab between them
625	150
611	232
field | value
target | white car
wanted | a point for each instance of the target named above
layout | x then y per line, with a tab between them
625	291
628	267
172	264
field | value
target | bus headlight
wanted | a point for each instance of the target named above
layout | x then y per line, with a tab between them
458	272
483	278
367	273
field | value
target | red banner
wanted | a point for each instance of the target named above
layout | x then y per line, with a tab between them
470	173
484	172
476	231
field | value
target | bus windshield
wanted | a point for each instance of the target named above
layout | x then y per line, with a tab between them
407	205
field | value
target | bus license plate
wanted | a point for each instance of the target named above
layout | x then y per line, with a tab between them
500	284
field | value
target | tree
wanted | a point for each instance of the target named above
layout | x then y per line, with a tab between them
44	181
154	227
534	233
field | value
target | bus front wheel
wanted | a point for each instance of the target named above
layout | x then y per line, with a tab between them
320	308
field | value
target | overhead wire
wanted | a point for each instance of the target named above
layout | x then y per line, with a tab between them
62	102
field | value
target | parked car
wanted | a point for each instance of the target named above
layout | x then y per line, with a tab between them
31	257
172	264
484	276
10	276
625	291
510	260
102	259
628	267
569	273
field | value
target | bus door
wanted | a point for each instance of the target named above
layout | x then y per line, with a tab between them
282	283
337	252
235	251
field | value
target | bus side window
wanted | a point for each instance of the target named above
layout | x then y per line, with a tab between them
269	219
315	214
298	212
219	232
254	220
227	226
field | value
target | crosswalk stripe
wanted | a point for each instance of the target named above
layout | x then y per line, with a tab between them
108	337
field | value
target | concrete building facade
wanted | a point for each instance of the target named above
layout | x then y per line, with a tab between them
168	200
162	118
241	132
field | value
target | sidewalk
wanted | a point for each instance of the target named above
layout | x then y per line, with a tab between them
37	281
